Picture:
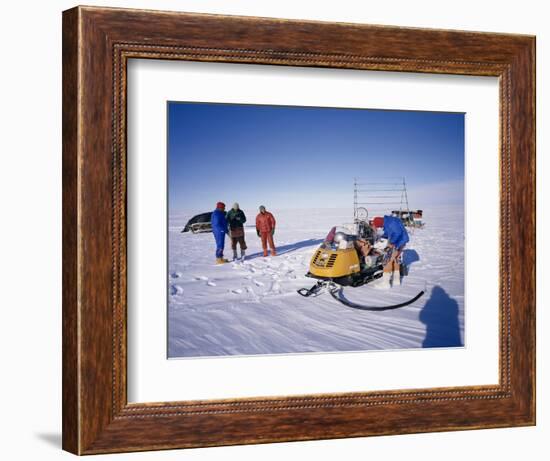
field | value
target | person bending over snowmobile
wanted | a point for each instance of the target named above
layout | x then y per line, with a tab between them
219	229
265	228
397	236
236	219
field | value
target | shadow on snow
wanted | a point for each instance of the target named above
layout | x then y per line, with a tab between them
440	315
410	256
283	249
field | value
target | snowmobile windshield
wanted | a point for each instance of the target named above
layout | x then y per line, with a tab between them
338	239
330	236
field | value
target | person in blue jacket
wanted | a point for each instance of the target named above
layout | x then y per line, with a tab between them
397	236
219	229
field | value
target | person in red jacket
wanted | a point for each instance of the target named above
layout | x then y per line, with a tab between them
265	228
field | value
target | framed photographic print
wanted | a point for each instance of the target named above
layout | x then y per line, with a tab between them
284	230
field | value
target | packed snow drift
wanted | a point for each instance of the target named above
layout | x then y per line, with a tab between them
252	307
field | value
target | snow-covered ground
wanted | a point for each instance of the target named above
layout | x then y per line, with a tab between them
253	308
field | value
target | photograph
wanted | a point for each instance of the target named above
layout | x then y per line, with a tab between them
296	229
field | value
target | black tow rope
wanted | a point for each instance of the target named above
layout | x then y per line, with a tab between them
336	291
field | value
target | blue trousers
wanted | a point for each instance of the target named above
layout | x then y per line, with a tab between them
220	243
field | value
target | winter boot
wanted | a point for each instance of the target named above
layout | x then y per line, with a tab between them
221	261
235	257
396	278
384	282
242	255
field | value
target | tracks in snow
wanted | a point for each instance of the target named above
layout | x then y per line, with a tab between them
241	281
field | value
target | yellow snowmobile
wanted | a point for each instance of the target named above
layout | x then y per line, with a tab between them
346	259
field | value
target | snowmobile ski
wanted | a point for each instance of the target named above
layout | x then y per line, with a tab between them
306	292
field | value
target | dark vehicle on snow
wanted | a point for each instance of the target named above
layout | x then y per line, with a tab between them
199	223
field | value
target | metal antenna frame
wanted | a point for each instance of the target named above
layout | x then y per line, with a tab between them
380	193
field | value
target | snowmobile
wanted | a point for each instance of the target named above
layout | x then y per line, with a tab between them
345	259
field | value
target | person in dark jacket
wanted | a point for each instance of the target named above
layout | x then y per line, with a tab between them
219	229
397	236
236	219
265	228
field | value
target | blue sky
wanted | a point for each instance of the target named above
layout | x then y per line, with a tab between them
302	157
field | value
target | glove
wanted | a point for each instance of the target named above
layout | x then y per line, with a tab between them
273	232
